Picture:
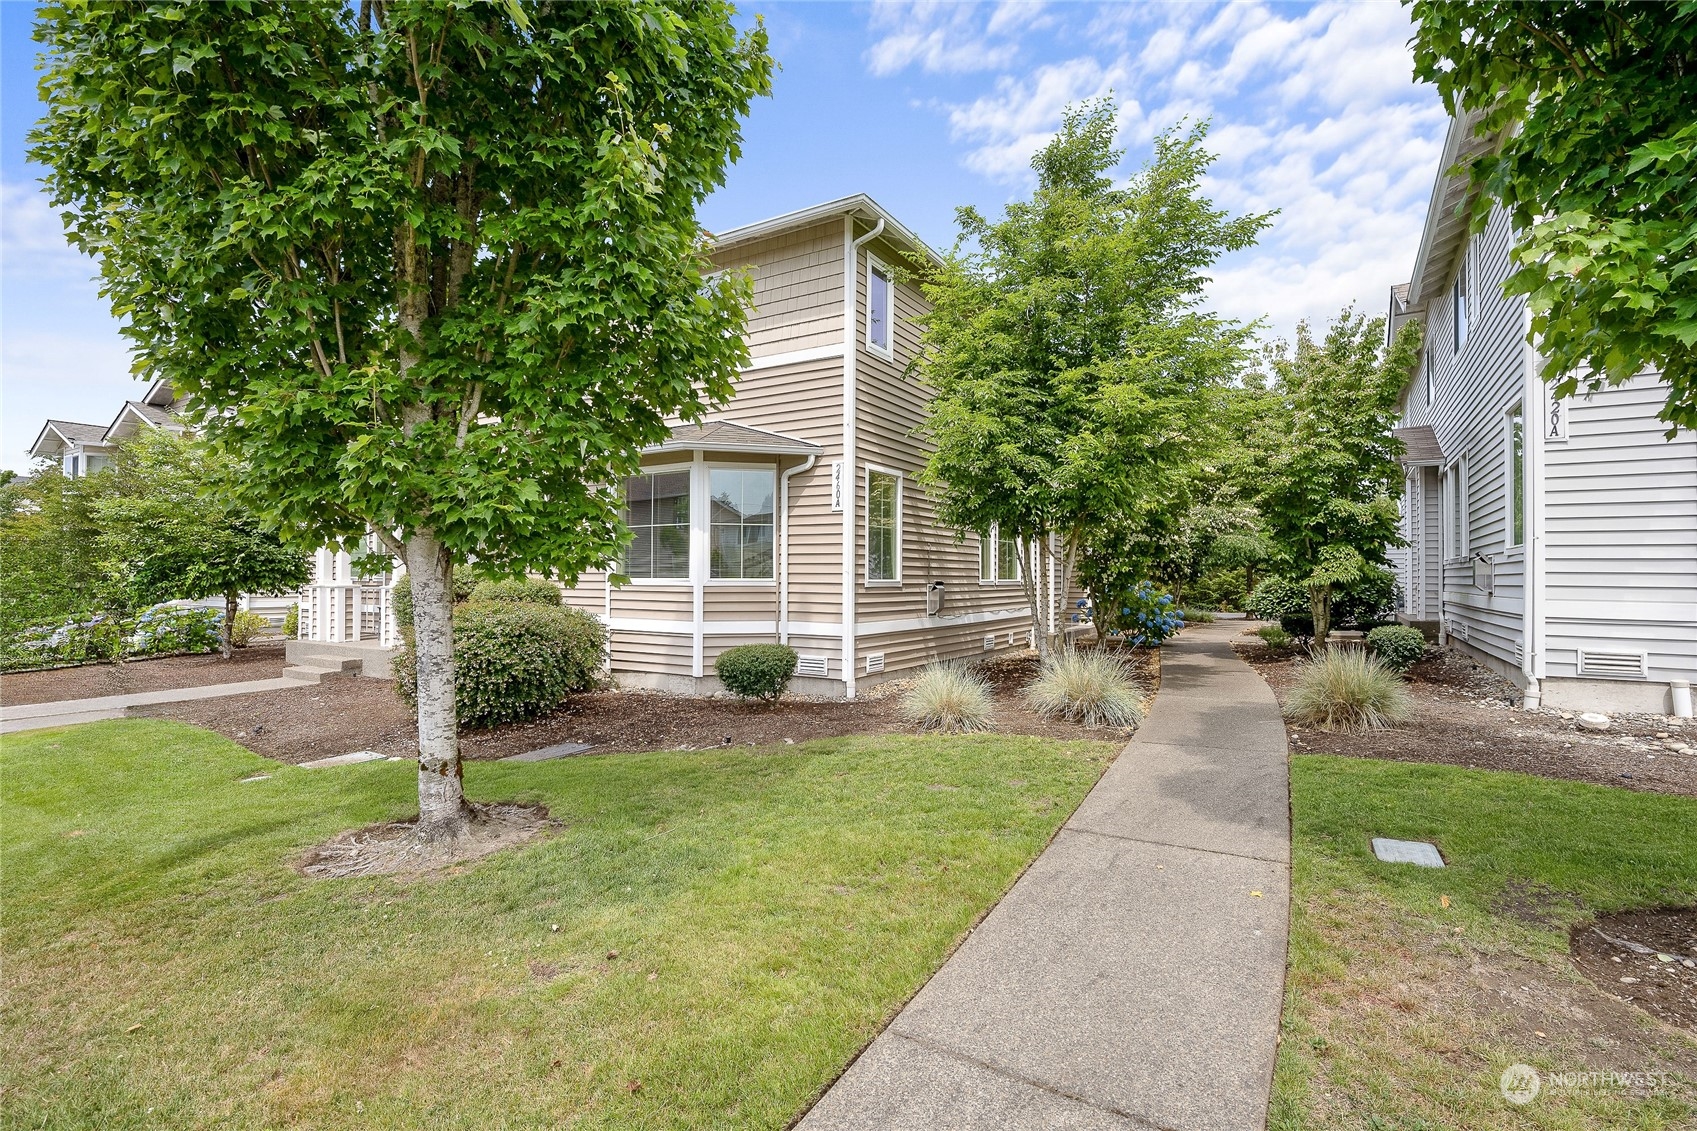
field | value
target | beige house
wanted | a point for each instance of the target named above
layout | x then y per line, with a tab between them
793	514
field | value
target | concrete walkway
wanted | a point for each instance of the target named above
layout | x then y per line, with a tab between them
1133	977
35	716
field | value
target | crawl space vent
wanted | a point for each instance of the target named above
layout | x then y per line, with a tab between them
1013	639
874	662
1613	665
989	642
819	666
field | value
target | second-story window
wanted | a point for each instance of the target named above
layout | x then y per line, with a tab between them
1459	306
1516	476
880	298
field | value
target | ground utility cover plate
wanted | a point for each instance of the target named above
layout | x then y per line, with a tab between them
549	753
1407	852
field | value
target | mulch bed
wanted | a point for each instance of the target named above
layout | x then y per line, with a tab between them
1466	715
87	681
343	715
1664	980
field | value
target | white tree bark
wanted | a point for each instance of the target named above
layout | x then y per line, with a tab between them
442	809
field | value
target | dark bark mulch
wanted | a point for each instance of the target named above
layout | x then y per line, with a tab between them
1466	715
340	716
87	681
1662	982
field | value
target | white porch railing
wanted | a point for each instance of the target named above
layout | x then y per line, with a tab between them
341	606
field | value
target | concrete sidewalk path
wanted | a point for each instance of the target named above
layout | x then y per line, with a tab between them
1132	979
35	716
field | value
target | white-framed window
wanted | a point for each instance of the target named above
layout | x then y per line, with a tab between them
1428	376
880	307
657	512
998	557
1455	509
883	526
1516	477
741	522
1458	304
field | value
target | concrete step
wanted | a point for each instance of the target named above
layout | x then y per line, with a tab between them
319	670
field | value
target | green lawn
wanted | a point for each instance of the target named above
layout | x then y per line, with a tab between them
165	967
1401	1013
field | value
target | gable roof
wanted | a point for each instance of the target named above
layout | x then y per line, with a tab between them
65	432
859	205
1446	226
723	436
136	414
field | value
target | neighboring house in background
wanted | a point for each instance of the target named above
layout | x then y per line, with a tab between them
83	449
792	515
1553	540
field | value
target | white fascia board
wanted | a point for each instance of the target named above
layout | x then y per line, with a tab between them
859	205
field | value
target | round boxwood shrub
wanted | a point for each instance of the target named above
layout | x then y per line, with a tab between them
756	671
1284	601
518	591
513	661
400	595
1398	646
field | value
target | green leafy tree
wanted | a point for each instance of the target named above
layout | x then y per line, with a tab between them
1594	108
171	529
1327	465
1066	352
49	548
430	268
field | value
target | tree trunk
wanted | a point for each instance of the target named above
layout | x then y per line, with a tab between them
1248	581
1320	605
1031	582
442	809
230	601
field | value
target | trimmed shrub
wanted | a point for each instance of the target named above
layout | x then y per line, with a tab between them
1347	689
1090	687
1367	602
948	697
400	597
1397	646
518	590
247	627
1273	636
756	671
1285	602
292	622
513	661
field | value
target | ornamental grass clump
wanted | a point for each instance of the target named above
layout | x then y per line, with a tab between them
1093	687
1346	689
949	698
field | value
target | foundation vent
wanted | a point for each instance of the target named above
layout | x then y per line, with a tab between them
816	666
1013	639
989	642
1613	665
874	662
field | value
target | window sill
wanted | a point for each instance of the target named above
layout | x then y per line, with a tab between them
747	582
894	583
662	582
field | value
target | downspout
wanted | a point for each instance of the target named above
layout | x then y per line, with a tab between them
1534	393
851	477
784	546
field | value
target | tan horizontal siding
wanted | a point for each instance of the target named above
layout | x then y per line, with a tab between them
651	652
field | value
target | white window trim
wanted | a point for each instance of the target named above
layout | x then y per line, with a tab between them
887	352
866	571
1454	507
1461	298
707	527
994	541
1509	542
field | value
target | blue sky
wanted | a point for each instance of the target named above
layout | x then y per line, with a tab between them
926	106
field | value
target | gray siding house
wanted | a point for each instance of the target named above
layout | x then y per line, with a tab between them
1553	540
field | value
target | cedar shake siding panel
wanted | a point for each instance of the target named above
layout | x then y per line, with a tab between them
798	288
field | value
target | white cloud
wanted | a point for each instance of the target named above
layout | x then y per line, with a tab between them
947	38
1315	114
32	237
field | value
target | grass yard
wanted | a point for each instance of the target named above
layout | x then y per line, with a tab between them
1410	990
164	966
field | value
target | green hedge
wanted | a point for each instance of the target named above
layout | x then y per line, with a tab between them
516	591
1398	646
756	671
513	661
